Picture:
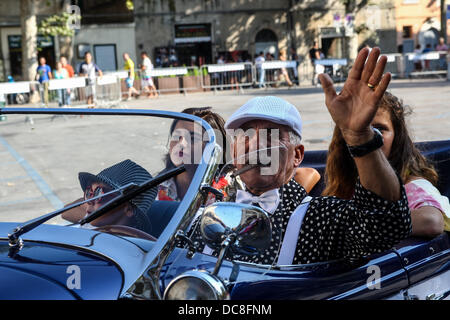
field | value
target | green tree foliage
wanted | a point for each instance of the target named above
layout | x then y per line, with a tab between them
57	25
130	5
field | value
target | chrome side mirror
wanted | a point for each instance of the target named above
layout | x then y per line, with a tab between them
247	228
224	226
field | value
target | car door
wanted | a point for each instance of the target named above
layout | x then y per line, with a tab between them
427	263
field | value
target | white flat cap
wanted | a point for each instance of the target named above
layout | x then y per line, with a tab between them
268	108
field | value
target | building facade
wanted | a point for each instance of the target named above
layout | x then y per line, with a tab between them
186	32
11	37
418	22
106	29
201	30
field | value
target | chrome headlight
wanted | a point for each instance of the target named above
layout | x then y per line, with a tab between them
196	285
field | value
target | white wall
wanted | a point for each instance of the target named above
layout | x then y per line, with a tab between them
122	35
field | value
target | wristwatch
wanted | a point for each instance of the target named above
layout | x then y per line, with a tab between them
368	147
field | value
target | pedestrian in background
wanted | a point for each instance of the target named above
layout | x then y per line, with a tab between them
129	65
284	72
259	61
43	75
221	60
314	55
418	63
70	73
443	48
89	70
294	57
147	80
61	73
427	61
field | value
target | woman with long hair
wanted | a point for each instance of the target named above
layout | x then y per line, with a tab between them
430	211
182	144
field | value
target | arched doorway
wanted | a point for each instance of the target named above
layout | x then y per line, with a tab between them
266	41
429	33
430	36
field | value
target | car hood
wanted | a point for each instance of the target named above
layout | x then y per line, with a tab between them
58	262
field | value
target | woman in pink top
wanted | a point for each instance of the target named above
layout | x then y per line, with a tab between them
430	211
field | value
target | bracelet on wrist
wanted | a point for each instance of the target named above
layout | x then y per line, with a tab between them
366	148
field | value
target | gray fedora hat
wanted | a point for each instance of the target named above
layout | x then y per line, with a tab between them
119	175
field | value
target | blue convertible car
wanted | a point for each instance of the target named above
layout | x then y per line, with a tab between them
51	256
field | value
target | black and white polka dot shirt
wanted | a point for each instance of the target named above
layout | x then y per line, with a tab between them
334	228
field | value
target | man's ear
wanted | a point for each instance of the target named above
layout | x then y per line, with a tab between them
299	154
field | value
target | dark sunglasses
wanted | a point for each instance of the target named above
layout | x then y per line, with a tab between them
89	194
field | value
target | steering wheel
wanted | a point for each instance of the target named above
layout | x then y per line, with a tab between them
125	231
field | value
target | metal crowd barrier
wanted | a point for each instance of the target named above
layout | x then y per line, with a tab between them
108	90
410	65
167	80
75	91
336	68
64	92
395	65
276	73
432	63
15	92
227	76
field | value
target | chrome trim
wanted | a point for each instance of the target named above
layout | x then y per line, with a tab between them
247	228
148	285
214	282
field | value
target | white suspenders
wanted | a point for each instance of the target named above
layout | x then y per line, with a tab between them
290	239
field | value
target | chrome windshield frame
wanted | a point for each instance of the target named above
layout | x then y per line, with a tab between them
147	285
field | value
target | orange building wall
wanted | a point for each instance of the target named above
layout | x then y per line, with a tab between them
415	14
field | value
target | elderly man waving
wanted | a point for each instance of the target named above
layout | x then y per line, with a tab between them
307	230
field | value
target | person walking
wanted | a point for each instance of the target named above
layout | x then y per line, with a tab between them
418	63
129	65
43	75
70	73
427	61
284	72
258	62
314	55
61	73
294	57
444	50
89	70
147	81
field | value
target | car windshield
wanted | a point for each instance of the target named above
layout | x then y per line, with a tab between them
49	161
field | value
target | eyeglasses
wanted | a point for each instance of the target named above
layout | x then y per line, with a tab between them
89	194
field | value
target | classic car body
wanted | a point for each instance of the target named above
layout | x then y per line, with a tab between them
61	262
